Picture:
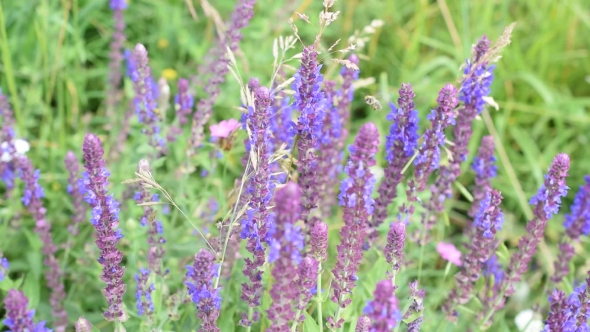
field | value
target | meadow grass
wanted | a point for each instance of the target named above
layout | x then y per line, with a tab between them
54	67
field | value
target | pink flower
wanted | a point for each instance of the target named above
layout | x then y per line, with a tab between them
449	252
224	128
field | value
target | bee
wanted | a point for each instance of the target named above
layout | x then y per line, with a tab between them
226	143
373	102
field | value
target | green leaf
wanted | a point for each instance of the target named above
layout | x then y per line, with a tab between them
32	289
309	324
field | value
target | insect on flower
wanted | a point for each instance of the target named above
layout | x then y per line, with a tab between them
373	102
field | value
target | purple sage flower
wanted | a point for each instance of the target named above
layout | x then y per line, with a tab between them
474	87
394	249
383	310
576	224
18	317
484	165
116	55
417	307
363	324
260	189
4	265
319	241
493	268
240	18
146	91
7	148
105	219
143	293
305	284
73	167
154	227
355	198
310	101
53	274
335	122
287	245
400	145
83	325
546	204
183	104
488	221
200	288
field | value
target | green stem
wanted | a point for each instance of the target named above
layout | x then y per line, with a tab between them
250	313
319	298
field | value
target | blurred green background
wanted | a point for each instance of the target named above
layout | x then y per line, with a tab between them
54	62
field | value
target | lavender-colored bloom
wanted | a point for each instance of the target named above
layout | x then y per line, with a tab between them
474	87
484	165
255	224
143	293
480	248
400	144
428	158
116	55
305	284
73	167
18	318
355	198
4	265
417	306
183	104
53	274
310	102
363	324
105	219
383	310
200	289
576	224
83	325
7	148
546	203
288	243
154	227
145	97
319	241
243	12
493	268
556	316
394	249
330	152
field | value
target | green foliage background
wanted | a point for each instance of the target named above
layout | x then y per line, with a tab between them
54	63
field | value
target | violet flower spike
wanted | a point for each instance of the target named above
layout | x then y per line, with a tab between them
484	165
394	249
18	317
7	146
240	18
285	253
383	310
355	198
417	307
310	102
260	188
474	87
105	219
146	91
305	284
143	293
545	204
4	266
363	324
73	167
576	224
183	104
200	289
335	122
53	274
116	56
444	115
488	221
400	145
155	230
83	325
